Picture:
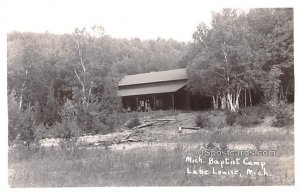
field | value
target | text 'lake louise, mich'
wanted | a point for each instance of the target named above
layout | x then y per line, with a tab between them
225	166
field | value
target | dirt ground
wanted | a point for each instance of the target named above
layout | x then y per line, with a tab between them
165	133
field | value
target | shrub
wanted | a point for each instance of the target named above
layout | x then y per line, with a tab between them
248	120
257	144
133	123
224	139
27	125
281	119
68	127
219	137
65	130
40	132
112	122
230	119
201	121
241	113
262	112
21	122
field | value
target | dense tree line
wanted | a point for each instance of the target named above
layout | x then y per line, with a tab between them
66	85
69	82
244	53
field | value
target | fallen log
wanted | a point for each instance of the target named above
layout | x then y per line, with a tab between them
134	140
160	120
144	125
184	127
127	136
165	119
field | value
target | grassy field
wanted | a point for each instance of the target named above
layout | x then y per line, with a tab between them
160	160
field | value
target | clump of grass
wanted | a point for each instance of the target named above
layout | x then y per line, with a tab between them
224	140
246	117
248	120
262	113
282	119
219	137
257	144
231	119
133	123
201	121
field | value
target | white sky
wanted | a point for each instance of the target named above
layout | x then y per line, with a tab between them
146	19
127	18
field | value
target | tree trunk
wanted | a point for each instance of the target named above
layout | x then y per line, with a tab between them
22	90
286	91
82	80
223	102
281	93
229	100
82	85
21	97
237	100
250	98
245	98
215	102
241	102
233	101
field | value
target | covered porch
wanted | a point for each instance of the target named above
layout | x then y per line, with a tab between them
156	96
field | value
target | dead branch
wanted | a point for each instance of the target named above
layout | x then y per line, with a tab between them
184	127
144	125
160	120
165	119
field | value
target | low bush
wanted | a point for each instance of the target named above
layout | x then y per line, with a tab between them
231	119
282	119
248	120
257	143
224	140
21	122
133	123
201	121
219	140
262	112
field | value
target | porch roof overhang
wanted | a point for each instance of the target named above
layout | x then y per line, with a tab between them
166	87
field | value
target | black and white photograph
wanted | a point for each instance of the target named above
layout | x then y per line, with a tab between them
132	93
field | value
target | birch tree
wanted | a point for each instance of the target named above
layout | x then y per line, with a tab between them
225	59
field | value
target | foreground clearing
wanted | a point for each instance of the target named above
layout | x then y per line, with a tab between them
160	159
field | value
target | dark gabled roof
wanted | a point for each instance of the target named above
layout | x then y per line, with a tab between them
154	88
152	77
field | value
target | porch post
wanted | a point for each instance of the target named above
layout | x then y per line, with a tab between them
187	100
154	102
173	101
127	101
137	103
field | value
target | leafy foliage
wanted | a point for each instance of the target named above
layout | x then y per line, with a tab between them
282	118
248	120
66	85
201	121
133	123
231	118
21	122
243	51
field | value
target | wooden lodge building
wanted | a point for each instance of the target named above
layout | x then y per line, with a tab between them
158	90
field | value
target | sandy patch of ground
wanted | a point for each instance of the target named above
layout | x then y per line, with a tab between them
165	134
